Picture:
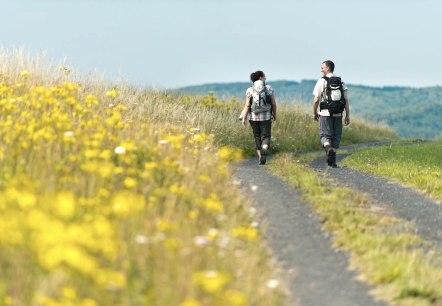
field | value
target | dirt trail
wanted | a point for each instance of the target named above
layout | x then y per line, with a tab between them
403	202
316	274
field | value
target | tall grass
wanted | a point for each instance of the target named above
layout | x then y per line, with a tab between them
293	131
111	195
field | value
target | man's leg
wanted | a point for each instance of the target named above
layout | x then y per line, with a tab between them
336	140
337	132
326	135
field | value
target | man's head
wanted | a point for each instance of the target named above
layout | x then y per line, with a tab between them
327	67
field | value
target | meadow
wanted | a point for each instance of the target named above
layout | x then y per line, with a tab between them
115	195
417	165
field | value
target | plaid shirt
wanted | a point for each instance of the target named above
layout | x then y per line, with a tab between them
264	116
260	116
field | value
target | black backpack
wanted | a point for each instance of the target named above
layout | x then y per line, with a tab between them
333	95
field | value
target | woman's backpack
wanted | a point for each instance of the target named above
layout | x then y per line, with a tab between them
333	97
260	99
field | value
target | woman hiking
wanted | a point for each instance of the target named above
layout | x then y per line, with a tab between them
260	110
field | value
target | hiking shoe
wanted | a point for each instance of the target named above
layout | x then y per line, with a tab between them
262	160
332	156
264	152
330	152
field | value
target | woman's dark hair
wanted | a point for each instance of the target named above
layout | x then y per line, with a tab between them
255	76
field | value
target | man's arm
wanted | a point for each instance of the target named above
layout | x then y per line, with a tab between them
317	92
347	109
315	108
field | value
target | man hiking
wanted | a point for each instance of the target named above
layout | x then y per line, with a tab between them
330	95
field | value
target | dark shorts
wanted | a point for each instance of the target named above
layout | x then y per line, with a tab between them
261	132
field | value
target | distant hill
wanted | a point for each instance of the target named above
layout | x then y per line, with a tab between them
412	112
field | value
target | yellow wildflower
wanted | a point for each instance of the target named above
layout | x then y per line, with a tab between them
126	203
213	204
25	74
247	233
211	281
130	182
65	204
230	154
111	93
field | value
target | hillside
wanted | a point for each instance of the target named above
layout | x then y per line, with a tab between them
114	195
412	112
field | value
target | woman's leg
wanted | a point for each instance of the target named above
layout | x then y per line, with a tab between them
257	135
266	134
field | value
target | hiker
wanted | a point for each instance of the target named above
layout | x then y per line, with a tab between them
330	94
260	110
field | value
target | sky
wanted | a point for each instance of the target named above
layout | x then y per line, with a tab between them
174	43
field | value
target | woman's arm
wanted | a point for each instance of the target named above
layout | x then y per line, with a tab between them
245	111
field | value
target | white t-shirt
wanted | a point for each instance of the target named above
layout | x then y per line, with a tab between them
319	90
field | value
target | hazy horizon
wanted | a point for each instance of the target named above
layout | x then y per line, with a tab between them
172	43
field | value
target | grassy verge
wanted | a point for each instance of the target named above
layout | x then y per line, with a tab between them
111	195
417	165
384	249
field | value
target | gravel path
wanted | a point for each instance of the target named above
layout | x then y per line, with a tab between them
317	275
404	202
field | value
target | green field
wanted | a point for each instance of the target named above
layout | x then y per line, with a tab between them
418	165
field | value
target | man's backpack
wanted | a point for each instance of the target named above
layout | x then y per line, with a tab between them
333	97
260	100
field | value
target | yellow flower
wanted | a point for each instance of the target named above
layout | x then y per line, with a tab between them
27	199
65	204
211	281
8	300
25	74
193	214
126	203
69	293
91	100
130	182
230	154
112	93
246	233
213	204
